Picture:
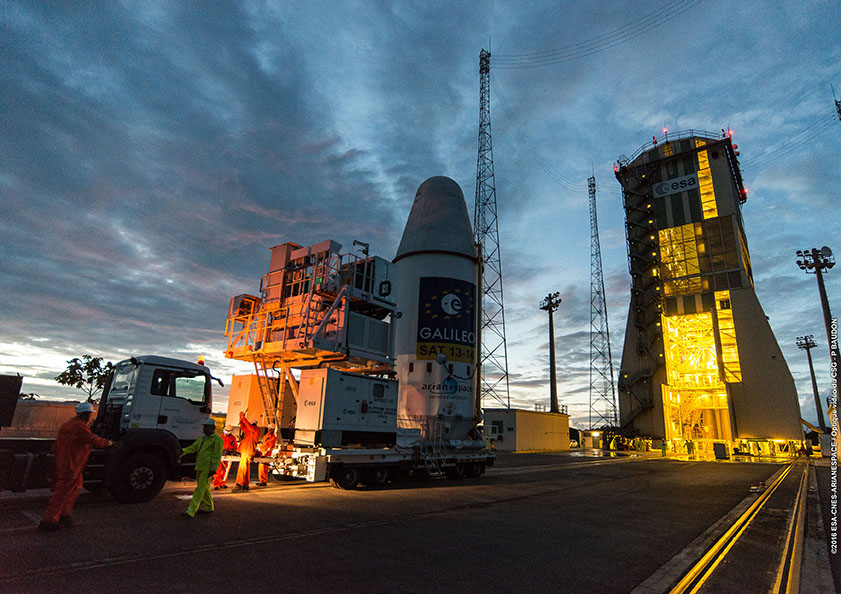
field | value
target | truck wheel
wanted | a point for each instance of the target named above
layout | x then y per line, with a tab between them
345	478
377	477
138	478
454	472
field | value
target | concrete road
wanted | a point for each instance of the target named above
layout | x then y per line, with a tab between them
538	522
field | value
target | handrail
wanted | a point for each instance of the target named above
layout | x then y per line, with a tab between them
667	137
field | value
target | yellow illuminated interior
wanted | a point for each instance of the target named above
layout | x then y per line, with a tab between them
678	251
696	415
727	337
705	185
683	286
679	259
695	399
691	357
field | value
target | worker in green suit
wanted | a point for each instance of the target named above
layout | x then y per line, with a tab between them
208	451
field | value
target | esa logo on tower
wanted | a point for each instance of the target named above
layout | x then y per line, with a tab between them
673	186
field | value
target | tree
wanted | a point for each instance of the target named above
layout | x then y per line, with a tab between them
87	374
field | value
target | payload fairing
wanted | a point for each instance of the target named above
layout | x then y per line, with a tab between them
436	342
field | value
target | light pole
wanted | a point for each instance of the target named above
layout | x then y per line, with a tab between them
550	303
807	343
815	261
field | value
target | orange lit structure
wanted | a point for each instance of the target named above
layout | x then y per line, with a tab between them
700	363
328	317
317	308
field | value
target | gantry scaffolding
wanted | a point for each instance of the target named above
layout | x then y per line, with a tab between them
602	393
701	366
493	361
317	308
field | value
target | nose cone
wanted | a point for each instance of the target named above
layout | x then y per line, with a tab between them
438	222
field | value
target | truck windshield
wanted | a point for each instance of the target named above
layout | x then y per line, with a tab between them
123	378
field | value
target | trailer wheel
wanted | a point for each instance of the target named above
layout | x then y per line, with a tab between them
346	478
138	478
377	477
454	472
473	469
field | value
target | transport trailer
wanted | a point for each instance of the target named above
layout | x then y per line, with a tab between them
348	431
151	407
347	468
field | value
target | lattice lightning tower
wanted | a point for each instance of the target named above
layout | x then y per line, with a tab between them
494	354
837	103
602	394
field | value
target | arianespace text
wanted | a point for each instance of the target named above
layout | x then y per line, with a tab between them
833	448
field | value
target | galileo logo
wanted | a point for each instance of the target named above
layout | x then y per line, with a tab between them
673	186
446	318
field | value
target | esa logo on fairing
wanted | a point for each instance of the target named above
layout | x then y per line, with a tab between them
451	304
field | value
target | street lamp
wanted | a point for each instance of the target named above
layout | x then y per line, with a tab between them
550	303
815	261
807	343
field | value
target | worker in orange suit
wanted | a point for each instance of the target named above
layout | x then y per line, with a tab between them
247	449
72	448
266	446
229	444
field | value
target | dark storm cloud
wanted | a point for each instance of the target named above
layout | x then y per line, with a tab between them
151	162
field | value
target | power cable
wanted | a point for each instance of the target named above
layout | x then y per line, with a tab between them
553	173
600	43
792	144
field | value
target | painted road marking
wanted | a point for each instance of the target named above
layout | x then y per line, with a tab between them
702	570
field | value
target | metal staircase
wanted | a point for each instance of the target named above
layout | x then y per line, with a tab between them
646	290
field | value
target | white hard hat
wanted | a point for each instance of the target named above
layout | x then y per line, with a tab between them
209	422
84	407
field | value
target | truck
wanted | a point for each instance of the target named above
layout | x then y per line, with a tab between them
151	407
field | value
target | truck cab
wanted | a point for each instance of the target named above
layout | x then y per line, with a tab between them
156	393
151	406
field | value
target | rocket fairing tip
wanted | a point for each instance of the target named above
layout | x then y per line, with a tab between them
438	221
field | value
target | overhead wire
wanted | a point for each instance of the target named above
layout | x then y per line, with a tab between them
596	44
792	144
555	175
605	41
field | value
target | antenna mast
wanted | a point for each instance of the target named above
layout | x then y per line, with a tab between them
837	103
602	394
493	359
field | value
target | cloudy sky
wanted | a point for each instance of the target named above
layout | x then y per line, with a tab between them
152	152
